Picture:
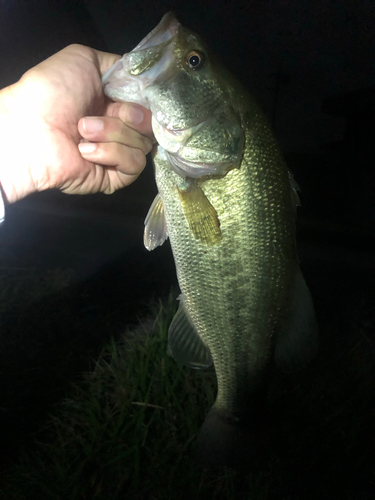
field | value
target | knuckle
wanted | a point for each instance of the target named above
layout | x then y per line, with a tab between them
124	130
146	145
139	158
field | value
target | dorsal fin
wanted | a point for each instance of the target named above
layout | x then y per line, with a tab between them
294	188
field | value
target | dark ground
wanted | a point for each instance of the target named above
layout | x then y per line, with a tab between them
323	432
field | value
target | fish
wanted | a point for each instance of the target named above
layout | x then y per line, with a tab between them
227	202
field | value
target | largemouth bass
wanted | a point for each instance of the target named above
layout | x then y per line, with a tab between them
227	202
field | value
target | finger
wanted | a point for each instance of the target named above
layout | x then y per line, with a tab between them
128	160
106	60
136	116
117	180
105	129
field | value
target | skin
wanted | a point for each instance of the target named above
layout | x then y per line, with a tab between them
47	129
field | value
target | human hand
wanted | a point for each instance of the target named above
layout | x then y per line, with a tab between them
46	140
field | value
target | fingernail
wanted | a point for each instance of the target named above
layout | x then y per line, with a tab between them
91	125
135	115
86	147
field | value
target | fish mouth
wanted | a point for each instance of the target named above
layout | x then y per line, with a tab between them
164	31
150	62
122	83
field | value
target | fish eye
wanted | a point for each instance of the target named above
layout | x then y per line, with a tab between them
195	60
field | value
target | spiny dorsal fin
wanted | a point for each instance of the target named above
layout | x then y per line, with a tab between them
294	188
184	343
200	214
155	232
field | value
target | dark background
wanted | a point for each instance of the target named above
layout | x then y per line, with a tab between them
310	64
312	67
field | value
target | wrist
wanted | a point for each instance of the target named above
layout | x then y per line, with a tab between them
14	168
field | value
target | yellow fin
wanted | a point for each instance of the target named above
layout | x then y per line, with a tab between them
201	216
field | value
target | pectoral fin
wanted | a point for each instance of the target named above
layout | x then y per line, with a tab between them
200	214
184	343
155	232
298	344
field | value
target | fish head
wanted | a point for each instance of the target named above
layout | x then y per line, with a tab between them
172	73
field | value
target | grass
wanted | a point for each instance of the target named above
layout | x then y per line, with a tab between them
127	429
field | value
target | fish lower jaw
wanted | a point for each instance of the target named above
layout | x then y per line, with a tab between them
133	92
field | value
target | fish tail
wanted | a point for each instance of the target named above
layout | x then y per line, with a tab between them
228	441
